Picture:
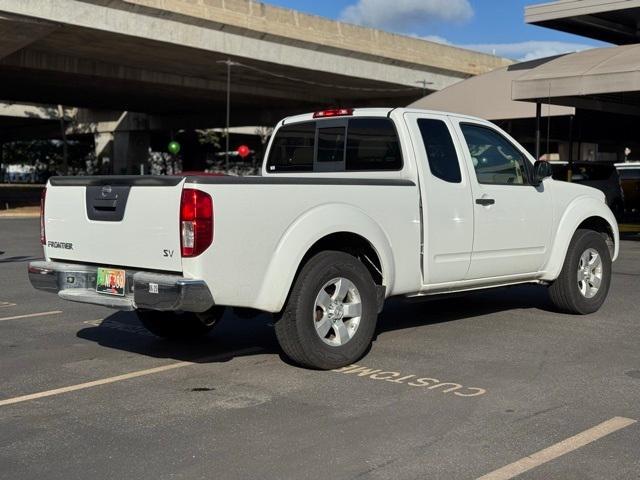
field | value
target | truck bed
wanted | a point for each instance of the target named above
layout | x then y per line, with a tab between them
263	226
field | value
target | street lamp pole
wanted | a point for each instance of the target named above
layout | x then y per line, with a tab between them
226	153
229	64
424	84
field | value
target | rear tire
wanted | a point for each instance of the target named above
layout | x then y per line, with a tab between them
180	326
331	314
583	284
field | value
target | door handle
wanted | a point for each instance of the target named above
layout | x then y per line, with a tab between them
485	202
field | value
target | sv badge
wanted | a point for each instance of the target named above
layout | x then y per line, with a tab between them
168	253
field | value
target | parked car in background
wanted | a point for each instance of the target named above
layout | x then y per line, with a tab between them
602	176
19	174
199	173
630	181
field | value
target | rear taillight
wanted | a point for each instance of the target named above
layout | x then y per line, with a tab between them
43	235
196	222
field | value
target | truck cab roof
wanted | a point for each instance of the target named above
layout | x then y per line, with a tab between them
367	112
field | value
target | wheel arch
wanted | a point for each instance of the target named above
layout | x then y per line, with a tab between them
587	213
340	227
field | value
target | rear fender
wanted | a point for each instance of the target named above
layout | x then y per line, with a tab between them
303	233
577	212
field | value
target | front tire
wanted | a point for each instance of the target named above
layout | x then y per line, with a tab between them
583	284
180	326
331	315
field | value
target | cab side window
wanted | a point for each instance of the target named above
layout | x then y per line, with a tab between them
372	145
293	148
349	144
495	160
441	153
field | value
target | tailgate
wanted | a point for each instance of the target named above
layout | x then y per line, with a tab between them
115	222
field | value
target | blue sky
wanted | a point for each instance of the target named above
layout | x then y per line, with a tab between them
492	26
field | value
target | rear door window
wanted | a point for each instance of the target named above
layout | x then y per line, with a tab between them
441	153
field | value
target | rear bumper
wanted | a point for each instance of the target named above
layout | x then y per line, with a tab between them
145	290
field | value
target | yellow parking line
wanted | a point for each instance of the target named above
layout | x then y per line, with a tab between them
559	449
31	315
119	378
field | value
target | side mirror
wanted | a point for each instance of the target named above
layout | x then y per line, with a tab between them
541	170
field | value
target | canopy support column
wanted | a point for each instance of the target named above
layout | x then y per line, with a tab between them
538	115
570	169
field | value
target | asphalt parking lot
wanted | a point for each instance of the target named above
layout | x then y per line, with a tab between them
492	384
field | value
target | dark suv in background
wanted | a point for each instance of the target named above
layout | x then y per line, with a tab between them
630	180
602	176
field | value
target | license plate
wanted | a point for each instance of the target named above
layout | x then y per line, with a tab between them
111	281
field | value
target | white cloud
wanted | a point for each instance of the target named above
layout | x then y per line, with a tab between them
530	50
521	51
401	15
406	15
433	38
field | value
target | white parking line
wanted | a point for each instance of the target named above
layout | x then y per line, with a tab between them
7	304
31	315
119	378
554	451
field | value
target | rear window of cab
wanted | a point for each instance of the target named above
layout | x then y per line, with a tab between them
354	144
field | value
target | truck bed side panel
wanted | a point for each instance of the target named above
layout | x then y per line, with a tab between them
253	217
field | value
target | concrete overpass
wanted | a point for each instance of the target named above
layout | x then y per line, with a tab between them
163	57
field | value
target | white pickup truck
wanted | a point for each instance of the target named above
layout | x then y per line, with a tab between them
352	207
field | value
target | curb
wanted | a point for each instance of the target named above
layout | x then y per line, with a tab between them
19	215
629	228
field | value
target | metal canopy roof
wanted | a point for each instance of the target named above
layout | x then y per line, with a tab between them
605	79
614	21
488	96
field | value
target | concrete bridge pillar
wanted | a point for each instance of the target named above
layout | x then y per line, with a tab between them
103	142
130	152
122	141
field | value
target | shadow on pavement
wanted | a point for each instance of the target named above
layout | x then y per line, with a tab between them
19	258
123	331
634	237
231	338
400	313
